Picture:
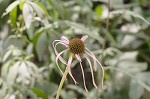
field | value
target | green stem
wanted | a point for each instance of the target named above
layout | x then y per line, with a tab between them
61	83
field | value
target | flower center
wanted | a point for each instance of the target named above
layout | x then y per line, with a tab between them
76	46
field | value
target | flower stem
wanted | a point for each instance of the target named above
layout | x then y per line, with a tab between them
61	83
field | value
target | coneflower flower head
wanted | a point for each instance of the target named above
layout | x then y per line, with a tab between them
77	48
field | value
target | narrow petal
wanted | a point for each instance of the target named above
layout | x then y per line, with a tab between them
56	52
93	58
99	64
65	40
93	80
56	40
84	38
78	57
59	67
61	43
57	57
69	69
83	77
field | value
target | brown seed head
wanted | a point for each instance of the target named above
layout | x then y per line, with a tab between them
76	46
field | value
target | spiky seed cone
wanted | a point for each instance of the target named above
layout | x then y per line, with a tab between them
76	46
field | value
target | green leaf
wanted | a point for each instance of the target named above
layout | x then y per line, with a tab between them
36	37
78	89
57	6
13	16
21	5
43	8
55	13
40	44
98	10
127	12
39	93
67	94
85	30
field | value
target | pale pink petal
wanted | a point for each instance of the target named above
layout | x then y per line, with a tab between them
69	69
56	52
56	40
65	40
84	38
99	64
57	57
93	58
59	67
93	80
83	77
61	43
78	57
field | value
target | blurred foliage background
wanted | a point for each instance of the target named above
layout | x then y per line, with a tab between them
27	59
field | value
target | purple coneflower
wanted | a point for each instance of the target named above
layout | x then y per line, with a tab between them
77	48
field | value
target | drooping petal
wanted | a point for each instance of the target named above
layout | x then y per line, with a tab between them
65	40
84	38
78	58
56	41
83	77
93	80
56	52
61	43
99	64
69	69
58	57
93	58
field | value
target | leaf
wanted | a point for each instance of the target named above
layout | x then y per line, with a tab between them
78	89
136	91
23	74
30	31
67	94
98	10
85	30
14	40
11	7
127	40
57	6
6	55
13	16
43	8
55	13
27	14
5	69
127	12
112	39
40	44
12	74
92	94
21	5
143	80
40	13
39	93
33	69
